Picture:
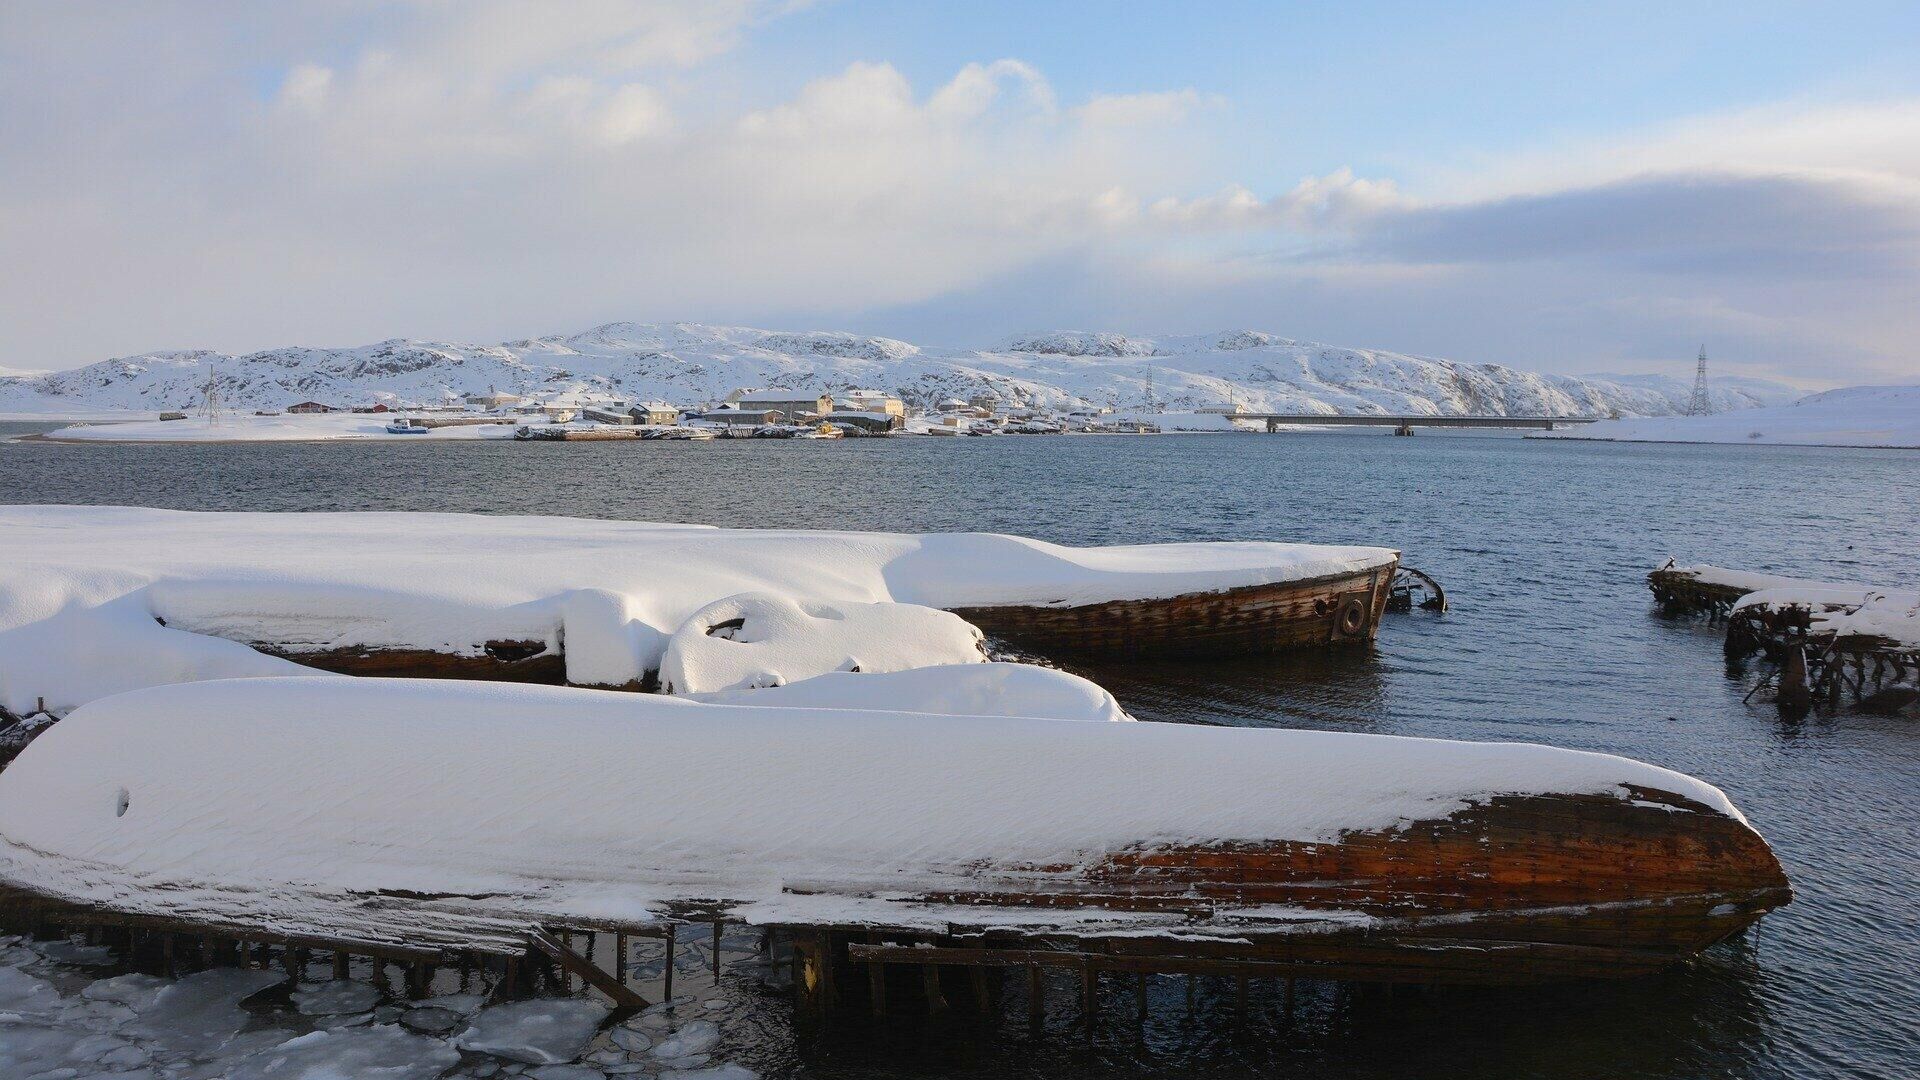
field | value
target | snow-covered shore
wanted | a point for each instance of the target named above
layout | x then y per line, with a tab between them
1868	416
315	427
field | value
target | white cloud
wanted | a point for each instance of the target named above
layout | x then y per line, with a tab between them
498	169
1136	110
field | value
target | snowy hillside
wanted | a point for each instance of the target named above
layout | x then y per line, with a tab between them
690	364
1728	392
1852	416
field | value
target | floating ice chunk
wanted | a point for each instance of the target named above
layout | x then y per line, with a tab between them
201	1012
631	1040
134	991
565	1072
110	1050
753	640
431	1021
995	689
697	1037
31	1047
26	995
718	1072
75	954
374	1053
338	997
462	1004
541	1032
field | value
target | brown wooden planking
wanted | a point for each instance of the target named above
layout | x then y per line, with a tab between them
497	661
1252	619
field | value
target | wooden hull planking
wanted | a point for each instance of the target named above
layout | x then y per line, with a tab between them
1520	889
1342	609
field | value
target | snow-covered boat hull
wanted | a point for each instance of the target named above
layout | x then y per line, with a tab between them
464	816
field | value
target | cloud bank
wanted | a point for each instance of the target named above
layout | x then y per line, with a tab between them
184	177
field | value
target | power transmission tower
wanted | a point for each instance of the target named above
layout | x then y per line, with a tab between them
211	407
1699	405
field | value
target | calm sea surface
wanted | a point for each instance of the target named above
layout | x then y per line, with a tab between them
1543	548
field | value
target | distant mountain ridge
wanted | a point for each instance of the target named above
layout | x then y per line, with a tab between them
688	363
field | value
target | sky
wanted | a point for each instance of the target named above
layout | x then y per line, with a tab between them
1593	187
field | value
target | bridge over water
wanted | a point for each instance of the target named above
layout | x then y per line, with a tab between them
1404	425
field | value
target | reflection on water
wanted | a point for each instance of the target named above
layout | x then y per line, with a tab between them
1552	638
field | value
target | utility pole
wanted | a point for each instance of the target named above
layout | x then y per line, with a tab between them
1700	405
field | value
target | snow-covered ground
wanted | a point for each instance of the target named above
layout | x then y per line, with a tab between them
281	428
1885	416
95	600
65	1015
688	364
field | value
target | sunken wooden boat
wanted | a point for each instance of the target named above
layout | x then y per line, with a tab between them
1332	609
171	596
473	817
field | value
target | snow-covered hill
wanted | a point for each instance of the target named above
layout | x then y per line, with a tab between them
1886	416
690	364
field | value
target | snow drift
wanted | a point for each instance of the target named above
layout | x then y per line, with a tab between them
758	640
991	689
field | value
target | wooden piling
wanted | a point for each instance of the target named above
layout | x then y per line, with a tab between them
1089	996
668	990
876	982
1036	996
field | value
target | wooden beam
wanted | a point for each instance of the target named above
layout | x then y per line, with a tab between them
622	994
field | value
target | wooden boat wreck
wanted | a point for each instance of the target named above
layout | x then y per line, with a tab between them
1004	842
1824	640
594	603
1333	609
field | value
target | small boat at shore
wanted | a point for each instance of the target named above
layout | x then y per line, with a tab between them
1226	850
594	603
402	427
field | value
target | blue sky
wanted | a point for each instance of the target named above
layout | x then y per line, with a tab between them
1386	86
1579	188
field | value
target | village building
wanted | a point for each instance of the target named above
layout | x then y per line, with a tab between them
493	399
795	405
655	413
309	407
870	401
866	420
734	416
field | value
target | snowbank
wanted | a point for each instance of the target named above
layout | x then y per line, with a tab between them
994	689
1885	416
268	799
84	591
300	427
758	640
